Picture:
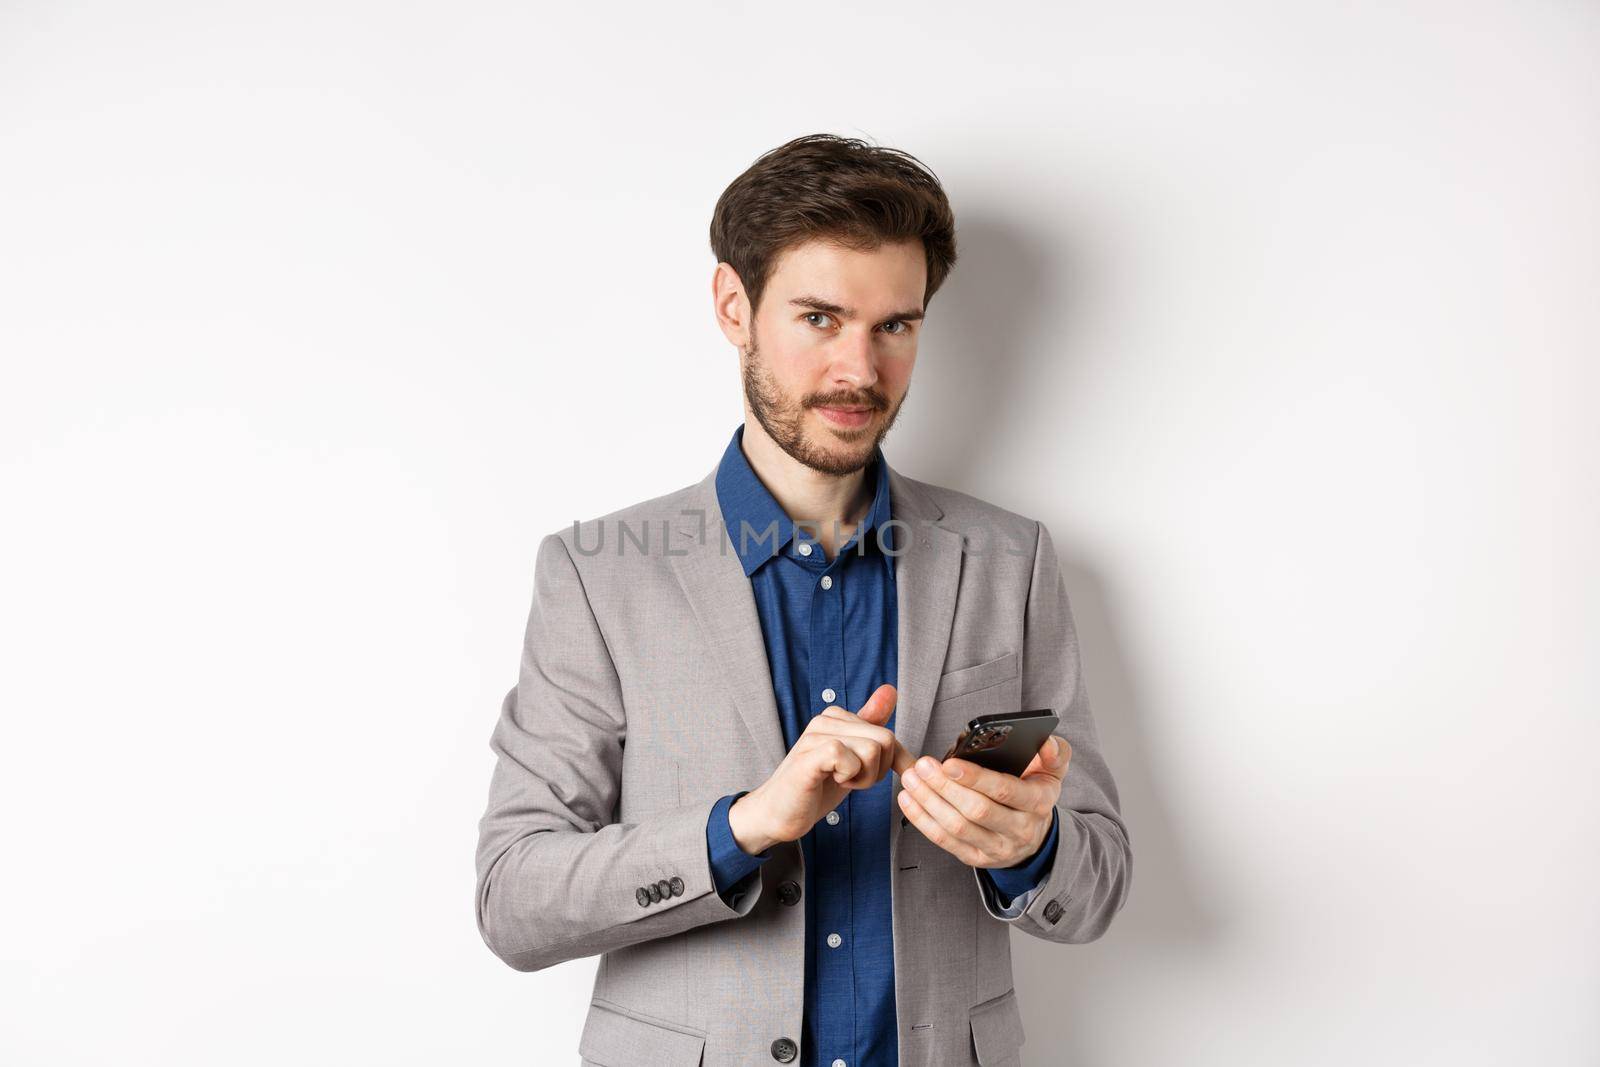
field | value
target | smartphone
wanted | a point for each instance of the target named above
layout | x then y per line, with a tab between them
1006	742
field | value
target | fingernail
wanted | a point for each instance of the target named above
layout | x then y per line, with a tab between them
909	778
927	766
953	770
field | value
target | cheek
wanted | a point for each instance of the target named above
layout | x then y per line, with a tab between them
895	372
806	369
791	355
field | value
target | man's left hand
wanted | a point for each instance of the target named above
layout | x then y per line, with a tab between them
985	818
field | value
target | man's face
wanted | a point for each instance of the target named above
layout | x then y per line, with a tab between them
830	350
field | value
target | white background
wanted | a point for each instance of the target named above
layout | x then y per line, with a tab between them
316	316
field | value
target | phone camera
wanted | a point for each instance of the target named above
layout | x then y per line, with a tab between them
992	736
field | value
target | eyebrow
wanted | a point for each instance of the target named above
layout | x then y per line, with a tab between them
816	303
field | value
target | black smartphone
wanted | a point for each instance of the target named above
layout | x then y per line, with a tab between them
1006	742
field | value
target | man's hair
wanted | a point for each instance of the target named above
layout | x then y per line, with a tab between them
838	188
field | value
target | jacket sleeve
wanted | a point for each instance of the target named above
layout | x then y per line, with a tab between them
557	877
1089	877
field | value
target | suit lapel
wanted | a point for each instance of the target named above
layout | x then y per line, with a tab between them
927	569
708	570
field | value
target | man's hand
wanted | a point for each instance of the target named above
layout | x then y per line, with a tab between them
982	817
839	751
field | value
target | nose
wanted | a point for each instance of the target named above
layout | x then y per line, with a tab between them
854	364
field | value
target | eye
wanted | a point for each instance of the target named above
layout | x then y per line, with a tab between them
905	327
808	316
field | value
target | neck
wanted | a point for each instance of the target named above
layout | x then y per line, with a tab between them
830	505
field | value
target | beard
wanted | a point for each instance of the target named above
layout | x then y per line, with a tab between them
785	419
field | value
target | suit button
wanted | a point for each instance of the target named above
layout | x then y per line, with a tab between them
654	891
904	821
1052	911
642	895
788	893
783	1050
676	885
665	888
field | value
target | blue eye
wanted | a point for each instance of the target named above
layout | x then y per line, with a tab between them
900	323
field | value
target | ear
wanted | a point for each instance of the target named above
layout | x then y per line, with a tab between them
731	305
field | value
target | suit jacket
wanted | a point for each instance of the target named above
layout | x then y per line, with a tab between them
644	695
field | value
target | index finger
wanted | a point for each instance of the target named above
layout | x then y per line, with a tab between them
998	786
899	759
902	760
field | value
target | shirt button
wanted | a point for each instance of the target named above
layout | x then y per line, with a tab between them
828	695
834	940
833	818
827	582
839	1063
803	548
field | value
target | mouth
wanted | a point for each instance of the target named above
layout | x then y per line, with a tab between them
847	418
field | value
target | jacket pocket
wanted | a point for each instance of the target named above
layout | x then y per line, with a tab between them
978	676
615	1036
997	1035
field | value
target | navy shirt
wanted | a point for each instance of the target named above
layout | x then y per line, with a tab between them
830	628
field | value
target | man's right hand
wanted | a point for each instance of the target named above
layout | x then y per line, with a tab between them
839	751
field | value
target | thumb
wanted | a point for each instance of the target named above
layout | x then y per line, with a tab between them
876	711
1052	759
878	706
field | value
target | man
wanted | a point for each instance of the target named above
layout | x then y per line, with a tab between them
681	785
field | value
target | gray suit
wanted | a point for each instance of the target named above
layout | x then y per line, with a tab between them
644	696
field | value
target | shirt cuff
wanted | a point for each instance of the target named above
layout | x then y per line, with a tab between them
730	864
1014	881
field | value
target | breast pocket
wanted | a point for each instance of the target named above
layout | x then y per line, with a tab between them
978	677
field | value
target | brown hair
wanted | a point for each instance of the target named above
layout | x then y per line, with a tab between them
838	188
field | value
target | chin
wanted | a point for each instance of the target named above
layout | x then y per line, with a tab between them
846	443
849	451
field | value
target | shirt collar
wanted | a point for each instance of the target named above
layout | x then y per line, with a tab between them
748	505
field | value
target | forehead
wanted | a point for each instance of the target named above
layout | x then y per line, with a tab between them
892	275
